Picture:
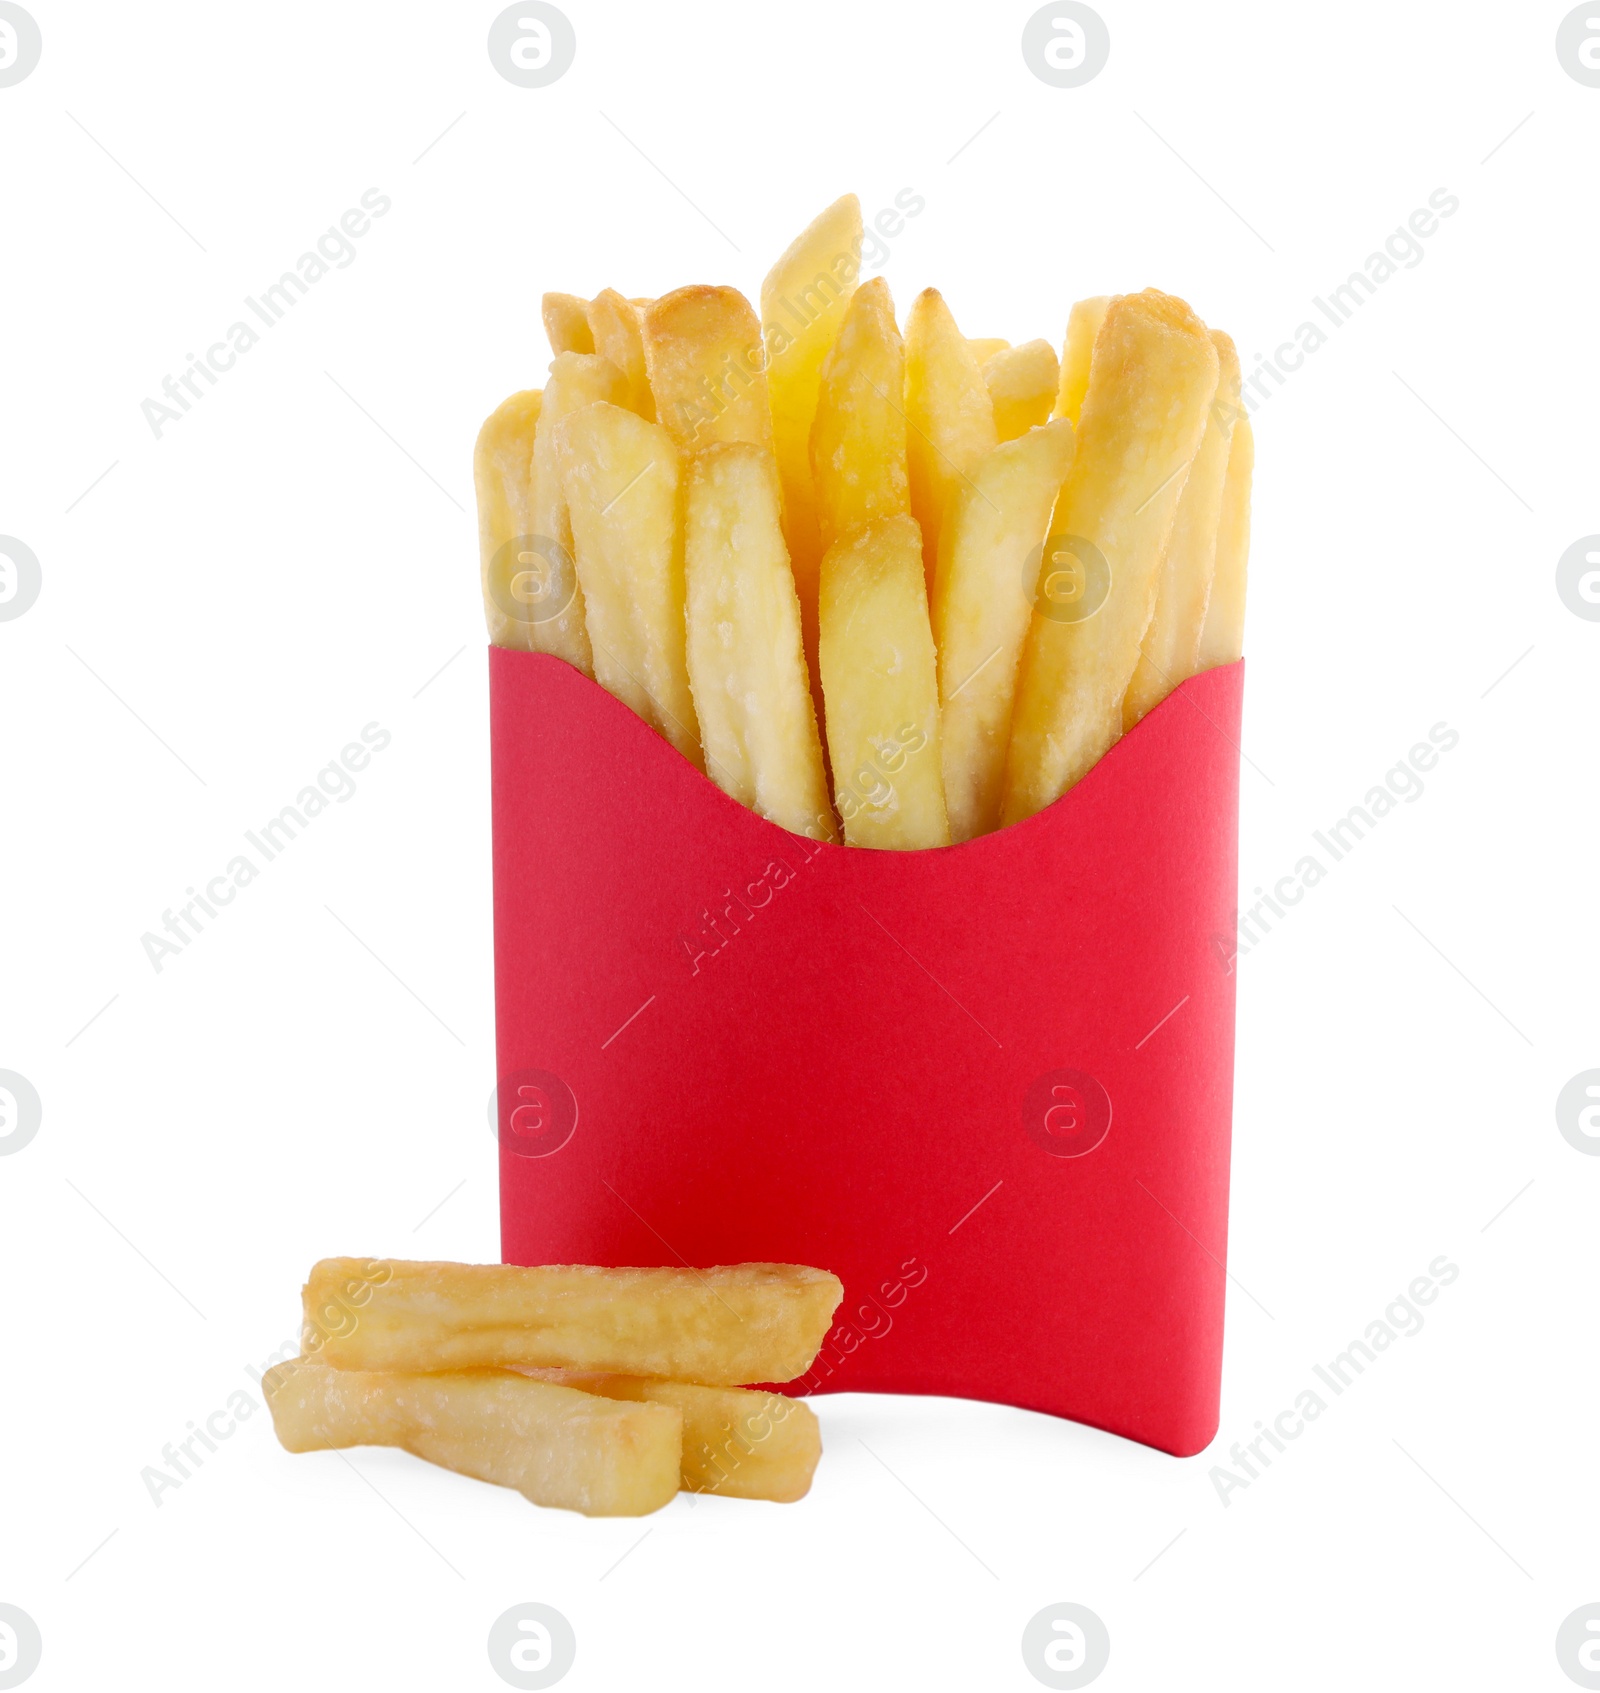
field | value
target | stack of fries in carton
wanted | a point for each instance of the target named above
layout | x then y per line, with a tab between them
973	565
603	1391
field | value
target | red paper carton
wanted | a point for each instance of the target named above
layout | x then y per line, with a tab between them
988	1085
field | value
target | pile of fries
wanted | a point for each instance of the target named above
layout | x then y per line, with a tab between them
602	1391
973	564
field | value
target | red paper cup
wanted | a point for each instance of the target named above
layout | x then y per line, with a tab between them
988	1085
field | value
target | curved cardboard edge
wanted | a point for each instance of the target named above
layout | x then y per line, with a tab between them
586	696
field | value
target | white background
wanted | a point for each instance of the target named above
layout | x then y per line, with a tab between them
228	605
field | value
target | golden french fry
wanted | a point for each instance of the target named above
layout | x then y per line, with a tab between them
1022	385
949	415
858	437
1153	378
550	586
614	327
555	1445
982	597
881	689
722	1327
566	324
1083	325
803	303
984	347
502	474
702	348
1222	638
620	478
739	1443
747	667
1168	653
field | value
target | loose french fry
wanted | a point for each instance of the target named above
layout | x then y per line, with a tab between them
1022	385
981	603
557	621
739	1443
803	302
747	667
502	473
1169	652
858	437
566	324
620	477
614	328
1083	325
984	347
555	1445
879	681
949	415
1222	638
1153	378
723	1327
702	348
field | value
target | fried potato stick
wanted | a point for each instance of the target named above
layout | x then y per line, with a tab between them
1152	380
747	667
722	1327
1083	325
555	1445
566	324
982	598
880	681
1022	383
614	327
620	477
858	437
1222	637
740	1443
949	415
703	350
803	302
1168	654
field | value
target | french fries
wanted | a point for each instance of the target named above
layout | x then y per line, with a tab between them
566	324
502	474
614	330
803	302
879	682
453	1363
1022	383
981	602
702	348
858	437
658	516
1169	652
619	475
739	1443
719	1327
1083	325
1152	379
555	1445
576	380
747	666
1222	637
949	415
